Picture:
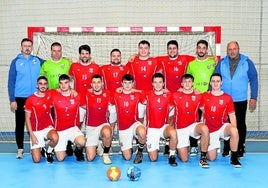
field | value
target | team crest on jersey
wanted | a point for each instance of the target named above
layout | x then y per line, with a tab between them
221	102
193	98
209	66
121	68
150	62
90	70
179	63
165	95
34	62
72	101
63	66
132	97
104	95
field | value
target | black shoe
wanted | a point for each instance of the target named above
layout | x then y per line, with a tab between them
166	151
226	153
49	157
138	158
172	161
43	152
203	162
235	162
69	148
79	154
241	152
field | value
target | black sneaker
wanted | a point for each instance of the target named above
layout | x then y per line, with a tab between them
49	157
166	151
203	162
172	161
43	152
235	162
241	152
79	154
69	148
138	158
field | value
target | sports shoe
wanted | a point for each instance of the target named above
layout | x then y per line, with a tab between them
241	152
166	151
138	158
226	153
194	151
79	154
100	149
235	162
43	152
203	162
106	159
20	154
172	161
49	157
69	148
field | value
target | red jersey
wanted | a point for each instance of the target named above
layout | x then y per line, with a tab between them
186	108
97	108
112	76
66	111
174	69
40	109
127	108
157	109
82	75
216	110
143	71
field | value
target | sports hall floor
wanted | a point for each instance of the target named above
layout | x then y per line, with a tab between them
20	173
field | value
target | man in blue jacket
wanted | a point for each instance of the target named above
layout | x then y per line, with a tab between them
237	71
23	73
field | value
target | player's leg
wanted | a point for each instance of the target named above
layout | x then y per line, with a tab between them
106	134
125	139
171	133
53	138
153	137
78	138
183	144
140	134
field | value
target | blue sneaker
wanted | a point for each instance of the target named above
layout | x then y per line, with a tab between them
194	151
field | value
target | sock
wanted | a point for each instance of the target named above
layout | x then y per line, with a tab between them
106	149
233	154
172	152
203	154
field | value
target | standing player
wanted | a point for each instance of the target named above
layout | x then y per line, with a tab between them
39	121
186	120
174	65
143	68
158	106
66	106
219	116
97	126
23	73
126	104
201	68
55	67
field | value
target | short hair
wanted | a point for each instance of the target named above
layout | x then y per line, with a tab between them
42	78
187	76
128	77
64	77
26	40
158	75
84	47
202	42
96	76
144	42
215	74
55	44
115	50
174	42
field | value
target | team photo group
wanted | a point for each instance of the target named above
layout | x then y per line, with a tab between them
192	102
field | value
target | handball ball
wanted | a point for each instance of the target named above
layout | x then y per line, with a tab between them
113	173
133	173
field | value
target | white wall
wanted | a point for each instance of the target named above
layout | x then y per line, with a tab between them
244	21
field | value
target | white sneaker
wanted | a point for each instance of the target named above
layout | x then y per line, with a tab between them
193	151
100	148
106	159
20	154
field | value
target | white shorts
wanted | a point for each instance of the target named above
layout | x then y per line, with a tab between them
153	137
215	137
93	134
65	135
126	136
142	110
41	136
112	116
184	133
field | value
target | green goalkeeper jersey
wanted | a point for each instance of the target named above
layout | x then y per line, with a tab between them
201	71
52	70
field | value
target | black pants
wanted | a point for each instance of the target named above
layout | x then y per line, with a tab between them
20	121
240	112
